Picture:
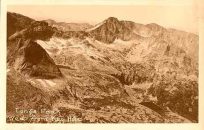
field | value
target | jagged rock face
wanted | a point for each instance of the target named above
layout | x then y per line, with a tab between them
135	73
110	30
31	59
39	30
36	30
179	94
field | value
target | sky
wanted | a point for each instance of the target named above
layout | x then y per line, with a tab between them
178	17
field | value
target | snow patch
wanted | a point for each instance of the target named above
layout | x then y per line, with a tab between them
54	45
96	26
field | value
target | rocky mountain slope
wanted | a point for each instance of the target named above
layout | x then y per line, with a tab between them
26	56
116	71
68	26
16	22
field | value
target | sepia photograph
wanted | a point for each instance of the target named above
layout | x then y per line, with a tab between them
102	64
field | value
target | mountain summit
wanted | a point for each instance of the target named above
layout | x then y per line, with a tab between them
109	30
112	28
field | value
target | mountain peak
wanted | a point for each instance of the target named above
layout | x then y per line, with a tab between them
112	19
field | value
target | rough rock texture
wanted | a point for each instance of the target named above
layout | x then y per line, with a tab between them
21	94
31	59
109	30
178	94
36	30
62	26
71	34
112	29
17	22
26	56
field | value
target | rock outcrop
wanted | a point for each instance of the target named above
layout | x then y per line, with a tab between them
36	30
17	22
31	59
28	57
109	30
